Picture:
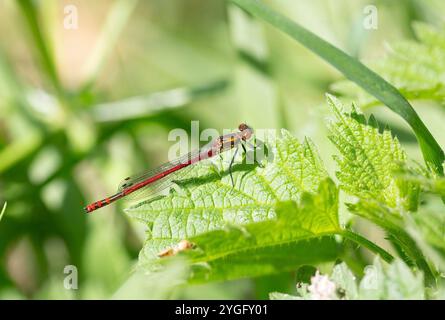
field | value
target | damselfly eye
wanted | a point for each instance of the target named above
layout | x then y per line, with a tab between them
243	127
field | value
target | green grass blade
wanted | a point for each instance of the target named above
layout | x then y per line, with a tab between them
117	19
356	72
29	11
153	103
3	211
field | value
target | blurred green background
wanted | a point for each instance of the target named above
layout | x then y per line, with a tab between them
82	108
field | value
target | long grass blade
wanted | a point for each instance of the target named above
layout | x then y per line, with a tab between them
355	71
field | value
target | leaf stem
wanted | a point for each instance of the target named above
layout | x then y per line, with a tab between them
355	237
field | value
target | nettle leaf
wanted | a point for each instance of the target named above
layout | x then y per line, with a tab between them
427	228
369	159
431	224
428	181
206	202
415	68
393	223
369	164
396	282
275	245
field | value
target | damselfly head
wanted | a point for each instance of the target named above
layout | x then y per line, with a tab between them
245	130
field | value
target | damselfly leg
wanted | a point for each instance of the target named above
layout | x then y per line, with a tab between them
254	148
231	164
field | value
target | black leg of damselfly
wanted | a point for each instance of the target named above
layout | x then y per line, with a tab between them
254	148
244	148
230	166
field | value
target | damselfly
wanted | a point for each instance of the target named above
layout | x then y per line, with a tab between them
162	177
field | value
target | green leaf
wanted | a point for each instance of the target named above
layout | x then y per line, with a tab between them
368	165
416	68
392	222
153	103
428	181
432	224
357	72
281	215
427	228
369	159
207	202
275	245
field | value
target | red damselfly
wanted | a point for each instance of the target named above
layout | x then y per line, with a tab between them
162	177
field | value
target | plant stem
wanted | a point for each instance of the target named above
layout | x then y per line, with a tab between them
355	237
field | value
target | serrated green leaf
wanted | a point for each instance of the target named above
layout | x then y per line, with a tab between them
207	200
428	181
280	215
222	220
368	165
369	159
392	222
432	224
276	245
427	228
